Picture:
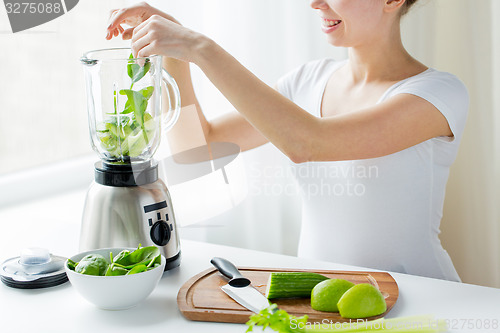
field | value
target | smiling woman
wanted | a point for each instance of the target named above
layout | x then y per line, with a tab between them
433	104
373	110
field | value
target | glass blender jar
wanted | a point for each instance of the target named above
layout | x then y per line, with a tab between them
127	204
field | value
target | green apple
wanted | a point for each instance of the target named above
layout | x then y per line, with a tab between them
326	294
361	301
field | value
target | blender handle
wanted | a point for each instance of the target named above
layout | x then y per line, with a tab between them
175	102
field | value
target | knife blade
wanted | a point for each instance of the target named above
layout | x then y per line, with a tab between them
239	288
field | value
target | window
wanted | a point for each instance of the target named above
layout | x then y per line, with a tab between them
43	116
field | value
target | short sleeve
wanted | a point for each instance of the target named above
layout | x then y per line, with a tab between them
447	93
285	84
305	78
288	84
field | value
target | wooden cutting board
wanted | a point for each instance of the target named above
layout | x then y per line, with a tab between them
201	298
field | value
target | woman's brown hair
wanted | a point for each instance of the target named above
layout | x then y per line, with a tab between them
407	5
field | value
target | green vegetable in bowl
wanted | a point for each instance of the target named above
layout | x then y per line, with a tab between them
92	264
145	255
124	263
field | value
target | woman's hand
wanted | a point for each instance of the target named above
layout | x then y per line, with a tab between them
132	16
153	32
158	35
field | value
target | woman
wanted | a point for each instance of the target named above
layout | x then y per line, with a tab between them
378	131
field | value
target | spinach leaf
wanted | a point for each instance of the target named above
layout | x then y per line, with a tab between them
146	92
137	104
124	263
156	262
135	71
147	256
72	264
121	256
114	270
137	269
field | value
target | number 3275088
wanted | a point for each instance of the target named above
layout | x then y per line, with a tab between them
473	324
33	8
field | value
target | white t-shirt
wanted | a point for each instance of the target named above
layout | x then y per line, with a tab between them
385	212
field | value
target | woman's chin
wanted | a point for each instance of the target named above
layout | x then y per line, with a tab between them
336	42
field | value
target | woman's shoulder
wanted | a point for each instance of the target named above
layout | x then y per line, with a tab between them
445	91
307	75
315	68
435	81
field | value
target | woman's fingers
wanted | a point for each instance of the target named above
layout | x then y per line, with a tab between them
146	51
140	31
127	34
132	15
140	40
162	36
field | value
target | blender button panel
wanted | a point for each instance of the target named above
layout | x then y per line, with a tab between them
158	215
150	222
166	217
156	206
171	227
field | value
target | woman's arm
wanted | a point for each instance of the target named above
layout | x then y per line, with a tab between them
401	122
398	123
231	127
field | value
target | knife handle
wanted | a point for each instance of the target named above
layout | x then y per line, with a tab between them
230	271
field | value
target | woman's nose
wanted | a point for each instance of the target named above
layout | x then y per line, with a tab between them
318	4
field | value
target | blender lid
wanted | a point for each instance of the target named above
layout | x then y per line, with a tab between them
35	268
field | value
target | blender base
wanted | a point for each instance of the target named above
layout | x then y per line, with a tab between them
173	262
123	215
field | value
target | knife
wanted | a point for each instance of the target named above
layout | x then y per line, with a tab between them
239	287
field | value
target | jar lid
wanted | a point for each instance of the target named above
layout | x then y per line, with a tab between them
35	268
125	174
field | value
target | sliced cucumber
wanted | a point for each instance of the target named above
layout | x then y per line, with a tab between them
136	143
292	284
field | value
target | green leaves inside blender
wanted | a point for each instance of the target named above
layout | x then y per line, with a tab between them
137	102
136	71
128	132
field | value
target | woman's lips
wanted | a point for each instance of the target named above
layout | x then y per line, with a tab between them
330	25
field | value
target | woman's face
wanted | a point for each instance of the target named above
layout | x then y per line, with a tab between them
350	23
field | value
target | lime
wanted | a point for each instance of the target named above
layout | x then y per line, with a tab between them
361	301
92	264
326	294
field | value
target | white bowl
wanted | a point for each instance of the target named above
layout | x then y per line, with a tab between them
114	292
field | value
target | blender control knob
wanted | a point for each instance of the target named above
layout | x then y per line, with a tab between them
160	233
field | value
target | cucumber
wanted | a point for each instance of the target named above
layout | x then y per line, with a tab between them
292	284
136	144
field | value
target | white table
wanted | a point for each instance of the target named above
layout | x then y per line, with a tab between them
60	309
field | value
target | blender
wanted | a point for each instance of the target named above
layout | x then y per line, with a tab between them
127	204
